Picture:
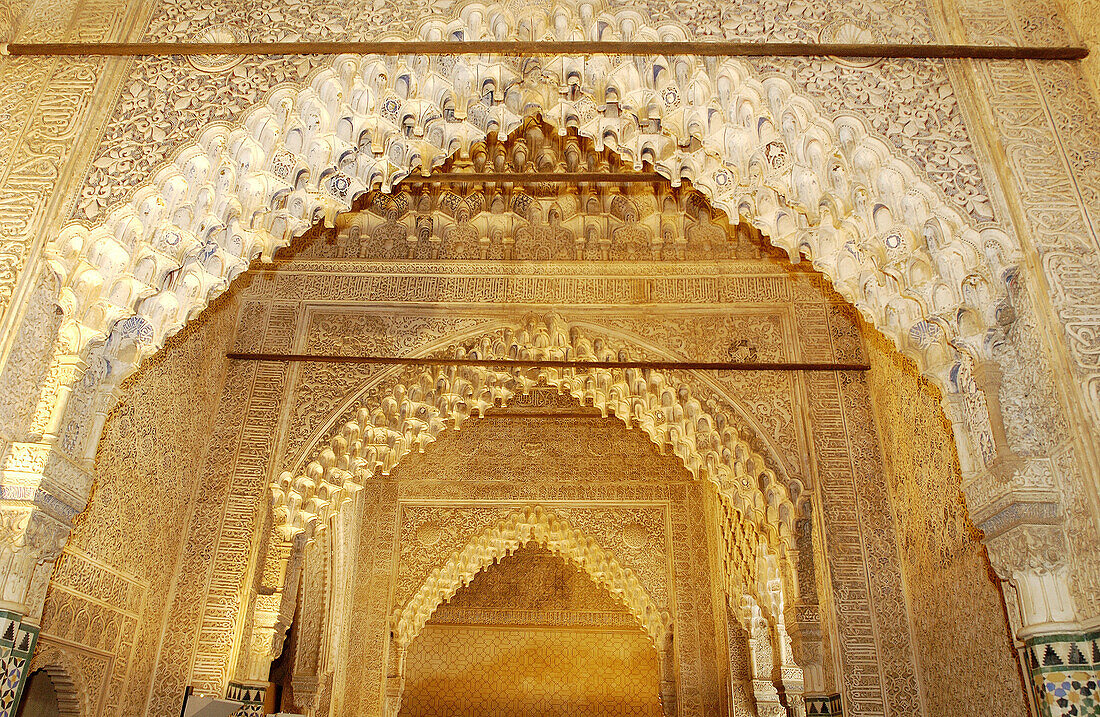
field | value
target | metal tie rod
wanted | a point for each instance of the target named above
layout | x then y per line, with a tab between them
535	178
539	47
550	363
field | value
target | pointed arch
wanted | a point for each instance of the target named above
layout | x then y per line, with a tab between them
424	403
829	188
544	527
68	681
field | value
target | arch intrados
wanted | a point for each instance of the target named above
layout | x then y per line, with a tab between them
68	683
781	162
629	341
522	527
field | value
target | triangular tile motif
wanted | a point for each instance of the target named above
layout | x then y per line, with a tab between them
1096	652
1051	657
1075	657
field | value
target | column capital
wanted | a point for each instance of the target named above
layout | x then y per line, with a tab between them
30	542
1032	557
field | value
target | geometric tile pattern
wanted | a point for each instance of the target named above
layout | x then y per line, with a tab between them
252	696
823	706
1065	671
17	643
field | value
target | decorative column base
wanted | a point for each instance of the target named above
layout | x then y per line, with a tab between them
1065	673
17	641
823	705
253	697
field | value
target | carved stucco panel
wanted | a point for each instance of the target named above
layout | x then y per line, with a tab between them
1041	113
45	105
110	590
216	89
635	536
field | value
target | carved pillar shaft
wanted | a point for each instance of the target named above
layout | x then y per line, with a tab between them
761	660
395	677
70	370
789	674
666	665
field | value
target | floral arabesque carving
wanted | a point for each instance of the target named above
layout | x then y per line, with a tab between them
827	188
504	538
415	411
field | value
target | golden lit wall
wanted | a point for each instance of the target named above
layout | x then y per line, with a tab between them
958	625
517	671
106	606
532	635
606	481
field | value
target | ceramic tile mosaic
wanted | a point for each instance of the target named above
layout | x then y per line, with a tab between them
17	642
1065	670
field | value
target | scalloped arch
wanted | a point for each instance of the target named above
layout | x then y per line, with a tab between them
416	411
68	681
827	188
542	526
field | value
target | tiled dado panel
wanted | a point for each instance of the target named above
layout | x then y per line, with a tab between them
17	642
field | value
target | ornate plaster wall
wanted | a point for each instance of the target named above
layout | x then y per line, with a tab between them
961	637
818	428
110	593
517	671
606	481
1083	15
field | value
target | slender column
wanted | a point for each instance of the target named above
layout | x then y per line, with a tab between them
761	660
666	665
395	677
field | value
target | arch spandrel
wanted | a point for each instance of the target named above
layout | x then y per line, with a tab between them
826	188
531	524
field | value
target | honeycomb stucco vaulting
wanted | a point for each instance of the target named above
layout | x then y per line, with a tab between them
414	411
916	265
176	173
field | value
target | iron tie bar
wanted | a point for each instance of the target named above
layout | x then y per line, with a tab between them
539	47
552	363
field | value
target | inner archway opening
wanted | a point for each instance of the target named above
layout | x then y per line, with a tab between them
532	635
